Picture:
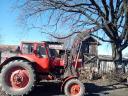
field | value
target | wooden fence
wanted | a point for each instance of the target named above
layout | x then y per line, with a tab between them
105	64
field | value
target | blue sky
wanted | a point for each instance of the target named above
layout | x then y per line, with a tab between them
12	33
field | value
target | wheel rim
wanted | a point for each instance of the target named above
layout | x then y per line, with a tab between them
74	89
18	78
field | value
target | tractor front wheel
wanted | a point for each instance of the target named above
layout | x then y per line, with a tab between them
17	78
74	87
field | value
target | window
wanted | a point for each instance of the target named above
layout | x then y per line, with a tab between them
53	52
41	50
27	48
85	48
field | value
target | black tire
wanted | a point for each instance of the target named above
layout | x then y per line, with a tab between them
6	72
70	83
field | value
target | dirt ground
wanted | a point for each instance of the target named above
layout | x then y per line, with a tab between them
93	88
106	88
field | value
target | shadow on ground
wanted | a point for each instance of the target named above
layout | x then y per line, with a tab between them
91	89
95	90
51	89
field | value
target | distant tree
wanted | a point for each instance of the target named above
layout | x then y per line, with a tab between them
110	15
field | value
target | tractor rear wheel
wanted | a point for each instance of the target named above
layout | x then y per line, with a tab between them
17	78
74	87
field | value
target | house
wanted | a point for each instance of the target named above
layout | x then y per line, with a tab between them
91	59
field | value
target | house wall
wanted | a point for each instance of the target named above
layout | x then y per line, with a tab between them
93	49
90	48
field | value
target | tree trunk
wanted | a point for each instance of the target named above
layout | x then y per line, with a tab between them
117	56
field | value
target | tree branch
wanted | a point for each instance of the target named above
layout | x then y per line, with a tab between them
110	41
61	37
98	8
106	9
112	11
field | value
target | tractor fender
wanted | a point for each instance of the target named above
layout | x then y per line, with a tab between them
65	80
16	58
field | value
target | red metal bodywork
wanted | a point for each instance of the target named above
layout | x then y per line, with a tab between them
44	64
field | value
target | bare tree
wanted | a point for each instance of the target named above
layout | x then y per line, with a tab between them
110	15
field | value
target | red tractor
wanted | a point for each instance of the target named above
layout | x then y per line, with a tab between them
35	64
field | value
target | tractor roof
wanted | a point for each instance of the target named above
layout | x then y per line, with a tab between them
48	42
52	42
55	45
30	42
33	42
